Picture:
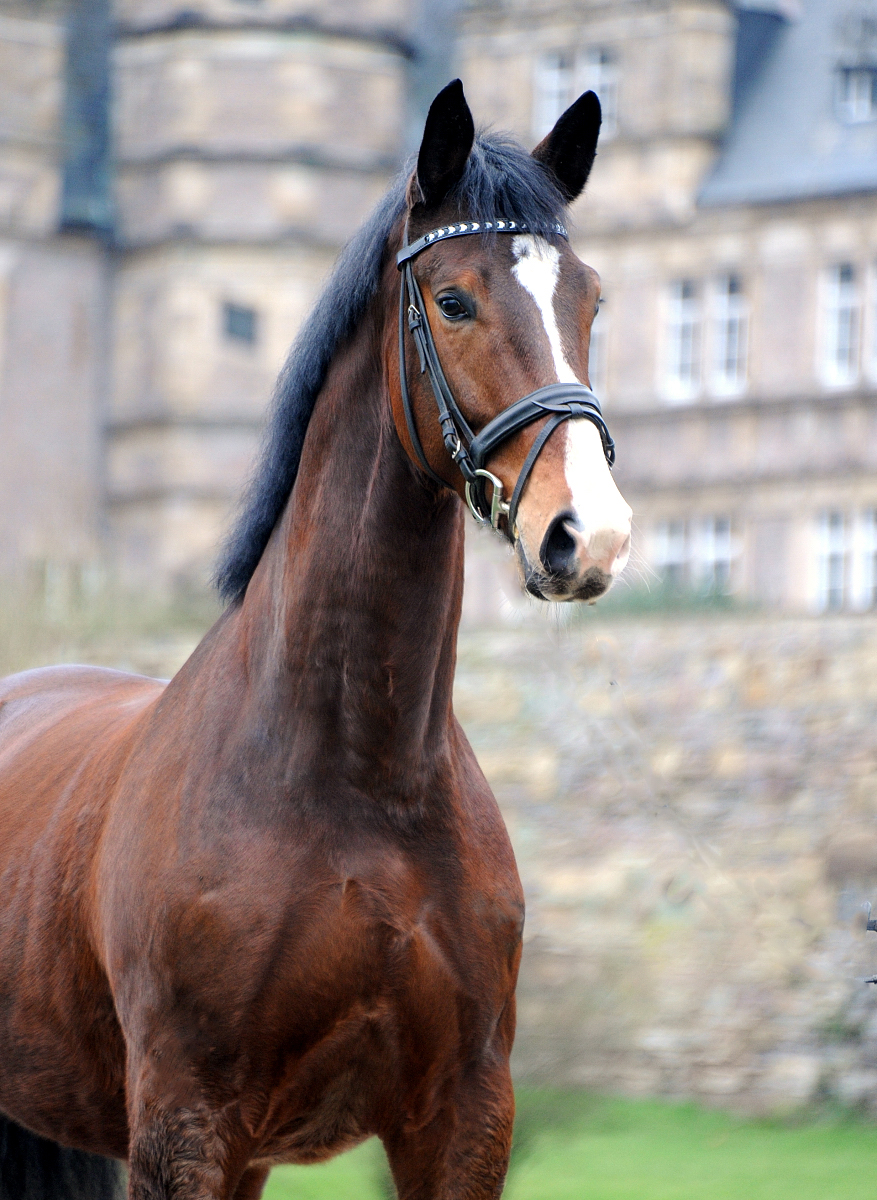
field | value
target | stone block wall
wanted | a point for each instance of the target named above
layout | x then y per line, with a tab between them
31	98
693	804
187	402
52	386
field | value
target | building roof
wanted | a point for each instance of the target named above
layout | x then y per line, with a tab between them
787	139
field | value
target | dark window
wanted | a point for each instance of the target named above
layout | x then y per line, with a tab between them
857	94
240	324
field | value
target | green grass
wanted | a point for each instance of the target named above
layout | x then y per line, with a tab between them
572	1146
357	1175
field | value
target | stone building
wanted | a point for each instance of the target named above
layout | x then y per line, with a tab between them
53	311
732	215
175	181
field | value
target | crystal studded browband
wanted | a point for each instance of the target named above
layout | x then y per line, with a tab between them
498	225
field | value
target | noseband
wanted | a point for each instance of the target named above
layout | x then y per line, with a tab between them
558	401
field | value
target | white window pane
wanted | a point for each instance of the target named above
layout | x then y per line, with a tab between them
834	561
683	341
672	553
730	336
863	567
857	94
714	555
841	326
597	71
697	554
597	353
553	87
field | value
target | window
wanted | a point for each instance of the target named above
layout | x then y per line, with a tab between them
598	72
714	554
672	558
597	353
698	554
561	76
706	338
730	336
864	584
239	324
857	94
834	561
553	90
682	377
840	364
869	333
846	560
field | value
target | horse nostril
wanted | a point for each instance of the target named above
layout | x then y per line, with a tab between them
559	547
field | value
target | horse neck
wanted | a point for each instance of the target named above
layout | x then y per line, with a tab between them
350	621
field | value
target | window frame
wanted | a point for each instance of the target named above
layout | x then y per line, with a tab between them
833	304
246	317
834	561
561	75
861	108
683	312
700	554
729	307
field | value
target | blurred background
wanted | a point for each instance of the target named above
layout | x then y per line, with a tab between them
688	771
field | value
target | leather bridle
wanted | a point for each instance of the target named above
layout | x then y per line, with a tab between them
470	451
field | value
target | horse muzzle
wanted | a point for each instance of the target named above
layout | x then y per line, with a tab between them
574	563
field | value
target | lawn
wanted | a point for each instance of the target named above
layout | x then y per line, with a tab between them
578	1147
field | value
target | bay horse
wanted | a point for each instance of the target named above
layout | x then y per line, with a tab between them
269	909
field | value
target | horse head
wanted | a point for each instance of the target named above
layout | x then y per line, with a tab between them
504	334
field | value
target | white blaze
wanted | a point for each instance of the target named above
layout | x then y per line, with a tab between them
595	498
537	270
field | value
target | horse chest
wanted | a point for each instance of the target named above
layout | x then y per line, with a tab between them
336	1000
421	999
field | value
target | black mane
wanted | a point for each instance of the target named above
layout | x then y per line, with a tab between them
501	180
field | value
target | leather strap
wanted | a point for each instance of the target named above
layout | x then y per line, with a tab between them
558	401
461	229
571	399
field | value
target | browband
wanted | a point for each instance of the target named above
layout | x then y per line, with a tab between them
558	401
499	225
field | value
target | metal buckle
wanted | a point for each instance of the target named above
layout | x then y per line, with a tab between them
498	506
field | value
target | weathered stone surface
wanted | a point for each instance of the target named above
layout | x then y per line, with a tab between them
693	803
52	312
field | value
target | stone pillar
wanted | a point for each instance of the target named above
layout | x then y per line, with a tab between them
250	144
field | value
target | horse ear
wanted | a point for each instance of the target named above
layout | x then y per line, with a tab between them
569	150
447	141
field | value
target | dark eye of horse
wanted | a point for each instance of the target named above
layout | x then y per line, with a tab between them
452	308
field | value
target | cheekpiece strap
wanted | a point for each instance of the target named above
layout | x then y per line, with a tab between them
462	228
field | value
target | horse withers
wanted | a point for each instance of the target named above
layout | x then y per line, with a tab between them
269	909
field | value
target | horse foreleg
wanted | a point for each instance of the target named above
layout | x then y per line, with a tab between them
252	1184
463	1153
186	1154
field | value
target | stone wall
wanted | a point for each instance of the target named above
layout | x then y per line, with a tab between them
692	801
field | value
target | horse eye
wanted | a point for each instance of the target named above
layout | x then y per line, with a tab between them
452	308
